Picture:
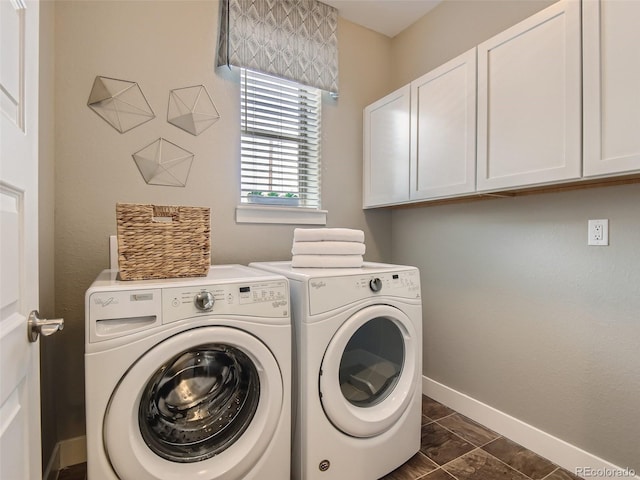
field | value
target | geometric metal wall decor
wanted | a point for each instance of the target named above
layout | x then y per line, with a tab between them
120	103
191	109
164	163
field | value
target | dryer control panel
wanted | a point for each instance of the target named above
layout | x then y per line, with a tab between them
328	293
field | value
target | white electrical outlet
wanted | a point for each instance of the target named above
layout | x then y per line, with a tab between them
598	232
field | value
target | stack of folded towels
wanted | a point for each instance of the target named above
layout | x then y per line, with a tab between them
327	247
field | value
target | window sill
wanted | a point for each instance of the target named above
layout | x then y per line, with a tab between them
286	215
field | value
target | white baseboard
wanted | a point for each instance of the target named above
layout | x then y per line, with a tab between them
552	448
66	453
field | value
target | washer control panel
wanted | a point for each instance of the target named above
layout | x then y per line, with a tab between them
259	299
327	293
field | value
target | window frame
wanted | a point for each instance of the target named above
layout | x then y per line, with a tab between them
281	153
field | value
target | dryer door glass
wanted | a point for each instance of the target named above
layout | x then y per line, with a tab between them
372	362
370	370
199	403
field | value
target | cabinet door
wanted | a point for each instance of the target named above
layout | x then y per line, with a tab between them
443	125
386	149
529	102
611	87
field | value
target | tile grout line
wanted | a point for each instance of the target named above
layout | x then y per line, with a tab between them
552	472
480	447
464	439
494	457
458	458
423	477
509	466
557	467
461	438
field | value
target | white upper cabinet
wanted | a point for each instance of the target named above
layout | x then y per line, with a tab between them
386	150
611	39
443	126
554	99
529	101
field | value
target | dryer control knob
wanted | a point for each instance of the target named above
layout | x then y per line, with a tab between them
375	284
204	301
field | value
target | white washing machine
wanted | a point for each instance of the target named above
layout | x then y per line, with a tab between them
189	378
357	369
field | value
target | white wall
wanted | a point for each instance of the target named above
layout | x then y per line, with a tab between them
166	45
519	313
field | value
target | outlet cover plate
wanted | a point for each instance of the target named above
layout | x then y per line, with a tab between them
598	232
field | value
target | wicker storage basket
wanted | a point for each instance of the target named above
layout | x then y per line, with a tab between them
163	241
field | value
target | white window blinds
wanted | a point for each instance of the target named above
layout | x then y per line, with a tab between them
280	141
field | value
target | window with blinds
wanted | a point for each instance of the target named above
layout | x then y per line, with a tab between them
280	141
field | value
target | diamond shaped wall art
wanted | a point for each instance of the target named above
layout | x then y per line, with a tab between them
192	109
120	103
164	163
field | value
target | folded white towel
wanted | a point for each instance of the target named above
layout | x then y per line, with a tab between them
328	248
326	261
328	234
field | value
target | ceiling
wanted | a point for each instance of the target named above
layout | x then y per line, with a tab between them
388	17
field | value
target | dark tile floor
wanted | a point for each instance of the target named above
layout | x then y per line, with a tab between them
456	448
453	448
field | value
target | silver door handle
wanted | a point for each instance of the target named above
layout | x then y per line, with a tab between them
37	326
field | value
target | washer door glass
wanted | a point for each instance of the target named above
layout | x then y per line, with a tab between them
370	371
203	404
199	402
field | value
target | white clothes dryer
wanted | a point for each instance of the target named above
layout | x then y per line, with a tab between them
357	369
189	378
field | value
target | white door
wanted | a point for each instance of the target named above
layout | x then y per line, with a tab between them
19	358
386	149
529	101
443	130
611	78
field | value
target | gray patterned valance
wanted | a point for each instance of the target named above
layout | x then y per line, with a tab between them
292	39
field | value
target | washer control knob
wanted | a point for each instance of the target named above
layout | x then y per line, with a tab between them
375	284
204	301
